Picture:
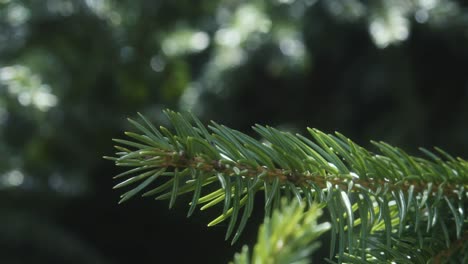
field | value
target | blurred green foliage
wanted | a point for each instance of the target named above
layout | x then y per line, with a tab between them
72	70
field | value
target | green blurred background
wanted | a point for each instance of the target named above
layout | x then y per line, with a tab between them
72	71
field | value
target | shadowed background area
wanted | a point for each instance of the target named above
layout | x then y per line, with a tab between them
72	71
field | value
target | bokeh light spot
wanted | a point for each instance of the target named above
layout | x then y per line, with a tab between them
13	178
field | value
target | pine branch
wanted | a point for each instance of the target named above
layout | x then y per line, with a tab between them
289	236
384	196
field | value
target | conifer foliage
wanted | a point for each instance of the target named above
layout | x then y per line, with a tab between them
383	206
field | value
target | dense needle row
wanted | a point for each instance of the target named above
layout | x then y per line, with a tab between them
381	206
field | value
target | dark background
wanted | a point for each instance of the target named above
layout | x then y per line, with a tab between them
72	71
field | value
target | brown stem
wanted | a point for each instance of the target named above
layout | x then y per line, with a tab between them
181	160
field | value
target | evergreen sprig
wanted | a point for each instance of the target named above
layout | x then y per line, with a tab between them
288	236
383	206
